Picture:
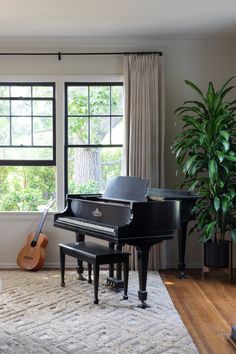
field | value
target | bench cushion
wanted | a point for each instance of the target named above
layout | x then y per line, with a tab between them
91	251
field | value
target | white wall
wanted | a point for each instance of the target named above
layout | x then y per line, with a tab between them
193	60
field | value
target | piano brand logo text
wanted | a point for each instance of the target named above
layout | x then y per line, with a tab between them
97	213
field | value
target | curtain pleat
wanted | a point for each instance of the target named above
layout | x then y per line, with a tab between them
145	131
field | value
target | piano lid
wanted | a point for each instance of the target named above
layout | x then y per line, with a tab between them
123	188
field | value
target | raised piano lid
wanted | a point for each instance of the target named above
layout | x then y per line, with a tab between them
126	188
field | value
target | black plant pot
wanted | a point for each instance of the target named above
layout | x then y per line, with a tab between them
216	254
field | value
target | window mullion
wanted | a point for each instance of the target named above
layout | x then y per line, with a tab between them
110	114
32	129
89	115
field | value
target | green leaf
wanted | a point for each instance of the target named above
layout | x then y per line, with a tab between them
226	91
225	84
225	167
225	204
193	185
226	145
189	163
230	158
210	94
217	203
213	170
194	87
220	155
225	135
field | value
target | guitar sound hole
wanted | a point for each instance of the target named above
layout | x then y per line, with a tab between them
33	243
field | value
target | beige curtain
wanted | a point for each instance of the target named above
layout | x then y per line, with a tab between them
145	130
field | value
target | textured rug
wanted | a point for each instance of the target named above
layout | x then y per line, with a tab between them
38	316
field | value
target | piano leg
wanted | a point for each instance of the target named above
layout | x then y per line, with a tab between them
80	269
142	253
111	266
181	248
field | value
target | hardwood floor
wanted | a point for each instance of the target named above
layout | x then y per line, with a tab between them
207	308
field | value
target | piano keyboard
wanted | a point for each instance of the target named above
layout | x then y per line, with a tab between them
85	224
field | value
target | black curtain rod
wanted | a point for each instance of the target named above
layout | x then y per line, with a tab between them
60	54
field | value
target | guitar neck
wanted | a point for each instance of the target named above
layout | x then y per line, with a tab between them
40	226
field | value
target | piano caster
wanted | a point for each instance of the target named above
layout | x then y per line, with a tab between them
142	295
96	302
181	275
62	284
90	281
143	305
125	297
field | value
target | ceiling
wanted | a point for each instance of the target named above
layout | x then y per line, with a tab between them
121	18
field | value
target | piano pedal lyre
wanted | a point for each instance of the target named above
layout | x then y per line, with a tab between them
115	284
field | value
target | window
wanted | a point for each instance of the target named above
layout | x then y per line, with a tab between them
27	145
27	124
93	135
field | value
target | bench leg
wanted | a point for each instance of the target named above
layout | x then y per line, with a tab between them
126	278
62	266
89	273
96	281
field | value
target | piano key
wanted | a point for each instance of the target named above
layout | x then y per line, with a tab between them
85	224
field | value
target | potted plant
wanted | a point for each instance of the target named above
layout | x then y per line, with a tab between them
205	151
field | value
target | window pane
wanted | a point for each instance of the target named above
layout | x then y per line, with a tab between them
26	188
21	108
77	130
22	153
4	131
117	131
20	91
4	91
42	131
77	100
42	108
27	123
42	91
90	168
100	130
117	100
99	100
21	131
4	107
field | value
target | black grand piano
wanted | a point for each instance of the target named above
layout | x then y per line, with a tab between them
125	214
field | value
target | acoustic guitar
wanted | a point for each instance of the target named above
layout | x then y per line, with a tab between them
32	255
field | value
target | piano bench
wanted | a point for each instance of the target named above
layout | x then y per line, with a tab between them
95	255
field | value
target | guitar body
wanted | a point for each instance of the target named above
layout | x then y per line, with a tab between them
33	257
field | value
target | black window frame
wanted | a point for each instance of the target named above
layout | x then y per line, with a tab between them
45	162
67	145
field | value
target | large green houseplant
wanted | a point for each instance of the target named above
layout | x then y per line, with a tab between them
205	151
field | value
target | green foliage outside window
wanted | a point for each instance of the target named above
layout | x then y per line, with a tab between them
26	188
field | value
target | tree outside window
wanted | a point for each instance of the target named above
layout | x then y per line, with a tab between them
94	135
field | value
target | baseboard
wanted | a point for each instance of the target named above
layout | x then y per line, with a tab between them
197	265
189	266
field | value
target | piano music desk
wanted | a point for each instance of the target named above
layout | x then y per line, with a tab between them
95	255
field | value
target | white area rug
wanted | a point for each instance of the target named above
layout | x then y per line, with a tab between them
38	316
